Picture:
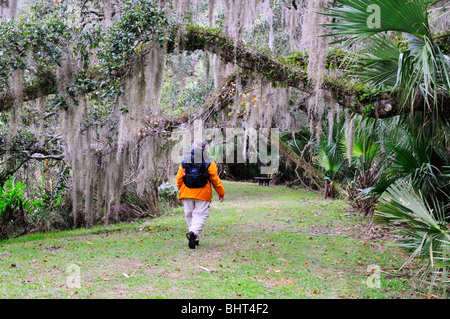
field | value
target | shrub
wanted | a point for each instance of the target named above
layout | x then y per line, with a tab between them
13	208
423	230
168	193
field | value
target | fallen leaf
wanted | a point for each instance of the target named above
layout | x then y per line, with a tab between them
205	269
106	279
317	292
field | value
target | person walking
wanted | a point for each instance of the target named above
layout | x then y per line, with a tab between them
196	173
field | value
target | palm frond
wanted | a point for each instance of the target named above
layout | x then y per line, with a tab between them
425	232
365	148
378	64
401	203
329	159
420	156
354	18
415	67
422	68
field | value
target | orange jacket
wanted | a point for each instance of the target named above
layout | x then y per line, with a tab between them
204	193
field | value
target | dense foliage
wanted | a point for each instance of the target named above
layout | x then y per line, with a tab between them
92	89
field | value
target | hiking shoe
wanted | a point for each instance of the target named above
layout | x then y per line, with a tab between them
197	242
191	237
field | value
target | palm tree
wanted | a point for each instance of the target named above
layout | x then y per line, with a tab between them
420	156
393	49
328	154
396	48
426	234
363	152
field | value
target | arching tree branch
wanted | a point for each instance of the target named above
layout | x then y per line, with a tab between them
353	97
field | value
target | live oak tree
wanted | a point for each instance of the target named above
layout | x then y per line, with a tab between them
81	82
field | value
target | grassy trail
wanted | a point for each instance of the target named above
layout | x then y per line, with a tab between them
261	242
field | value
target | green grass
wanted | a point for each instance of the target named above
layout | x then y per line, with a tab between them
261	242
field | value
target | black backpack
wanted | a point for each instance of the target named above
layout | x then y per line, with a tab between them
195	174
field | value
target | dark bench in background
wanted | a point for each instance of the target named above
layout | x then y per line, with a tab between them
263	180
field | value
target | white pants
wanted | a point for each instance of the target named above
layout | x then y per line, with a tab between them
196	213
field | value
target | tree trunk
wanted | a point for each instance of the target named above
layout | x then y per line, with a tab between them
13	4
314	173
153	199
